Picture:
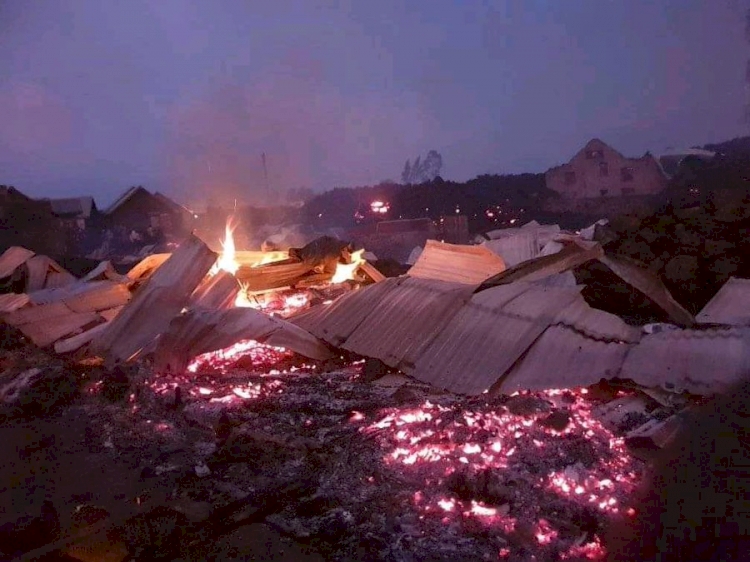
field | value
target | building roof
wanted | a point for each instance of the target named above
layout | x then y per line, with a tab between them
79	207
124	198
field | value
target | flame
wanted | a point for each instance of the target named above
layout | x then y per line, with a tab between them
228	260
345	271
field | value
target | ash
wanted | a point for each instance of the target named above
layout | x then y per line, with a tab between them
382	470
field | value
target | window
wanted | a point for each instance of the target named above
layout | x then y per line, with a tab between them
570	178
592	154
603	169
626	174
628	190
604	192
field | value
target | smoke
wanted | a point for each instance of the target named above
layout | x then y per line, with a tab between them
312	134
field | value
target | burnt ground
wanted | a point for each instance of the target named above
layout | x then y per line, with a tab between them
276	460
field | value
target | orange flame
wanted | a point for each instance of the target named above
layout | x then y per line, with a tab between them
345	271
228	258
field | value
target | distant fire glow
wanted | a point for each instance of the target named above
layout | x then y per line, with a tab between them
379	207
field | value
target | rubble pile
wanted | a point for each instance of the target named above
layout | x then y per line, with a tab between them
388	470
464	410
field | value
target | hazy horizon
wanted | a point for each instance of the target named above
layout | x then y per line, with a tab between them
183	97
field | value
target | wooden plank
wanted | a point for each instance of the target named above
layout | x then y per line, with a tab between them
13	258
105	271
11	302
85	297
217	291
110	313
253	258
156	302
272	276
102	296
32	314
45	332
76	342
147	266
372	272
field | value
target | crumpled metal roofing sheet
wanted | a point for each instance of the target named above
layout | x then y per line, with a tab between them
696	361
515	249
335	322
399	328
597	324
488	335
731	305
564	358
456	263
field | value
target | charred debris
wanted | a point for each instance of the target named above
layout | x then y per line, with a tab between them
499	400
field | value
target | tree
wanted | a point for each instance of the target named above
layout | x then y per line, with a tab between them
422	171
406	174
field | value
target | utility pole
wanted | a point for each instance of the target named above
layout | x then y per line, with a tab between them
265	176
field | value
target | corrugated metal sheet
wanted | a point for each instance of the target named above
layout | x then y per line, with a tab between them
402	325
650	285
335	322
456	263
597	324
515	249
731	305
488	335
200	331
697	361
564	358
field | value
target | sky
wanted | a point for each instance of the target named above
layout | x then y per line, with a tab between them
184	96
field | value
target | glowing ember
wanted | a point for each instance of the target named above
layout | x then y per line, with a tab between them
258	354
449	448
277	302
345	271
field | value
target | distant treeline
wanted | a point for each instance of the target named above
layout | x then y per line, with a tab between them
489	201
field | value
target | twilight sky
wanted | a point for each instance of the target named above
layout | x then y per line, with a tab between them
183	96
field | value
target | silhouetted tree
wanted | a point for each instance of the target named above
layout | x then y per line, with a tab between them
422	171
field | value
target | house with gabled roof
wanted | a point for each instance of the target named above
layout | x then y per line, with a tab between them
78	212
598	170
139	209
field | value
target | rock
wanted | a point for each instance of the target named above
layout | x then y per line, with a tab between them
636	249
557	420
724	267
202	470
687	237
526	405
681	268
374	369
717	247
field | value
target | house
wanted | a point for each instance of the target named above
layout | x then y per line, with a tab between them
598	170
76	212
29	222
140	210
